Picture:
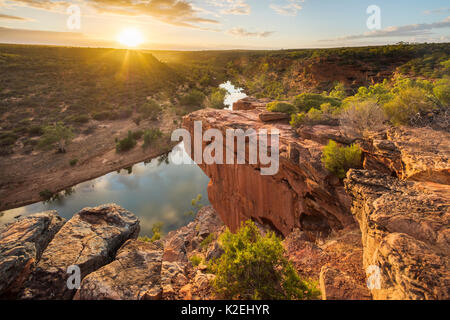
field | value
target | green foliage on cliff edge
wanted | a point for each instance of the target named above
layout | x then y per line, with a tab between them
255	267
339	160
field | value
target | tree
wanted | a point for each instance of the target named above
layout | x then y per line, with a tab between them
57	133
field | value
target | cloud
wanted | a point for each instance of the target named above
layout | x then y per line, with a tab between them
289	8
241	32
175	12
400	31
437	11
5	16
235	7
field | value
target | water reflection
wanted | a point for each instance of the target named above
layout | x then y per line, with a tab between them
156	191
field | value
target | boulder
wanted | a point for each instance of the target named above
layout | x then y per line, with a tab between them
273	116
249	103
21	245
89	240
133	275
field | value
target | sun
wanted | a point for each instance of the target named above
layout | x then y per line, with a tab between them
130	37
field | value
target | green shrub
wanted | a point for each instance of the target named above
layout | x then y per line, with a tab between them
407	103
102	115
56	134
216	98
73	162
156	230
339	160
442	91
195	260
305	101
194	98
80	118
277	106
126	144
35	130
255	267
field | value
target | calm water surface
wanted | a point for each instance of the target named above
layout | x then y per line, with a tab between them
156	191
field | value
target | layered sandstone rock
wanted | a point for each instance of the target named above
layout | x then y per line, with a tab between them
88	240
420	154
250	103
405	234
21	245
135	274
302	194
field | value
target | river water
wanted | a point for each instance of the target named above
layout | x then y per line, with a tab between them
156	191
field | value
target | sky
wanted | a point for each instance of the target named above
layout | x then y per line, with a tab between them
225	24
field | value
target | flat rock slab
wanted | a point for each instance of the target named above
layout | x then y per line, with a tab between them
89	240
134	275
21	245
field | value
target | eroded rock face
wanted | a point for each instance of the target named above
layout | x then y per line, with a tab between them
405	230
89	240
303	194
419	154
21	245
250	103
133	275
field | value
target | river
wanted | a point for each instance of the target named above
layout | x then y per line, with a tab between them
156	191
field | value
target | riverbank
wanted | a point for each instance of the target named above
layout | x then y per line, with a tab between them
24	176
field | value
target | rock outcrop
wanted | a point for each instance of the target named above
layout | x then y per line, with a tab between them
89	240
303	194
135	274
21	245
420	154
179	278
405	228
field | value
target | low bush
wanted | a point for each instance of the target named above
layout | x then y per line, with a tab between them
150	109
361	117
194	98
195	260
406	104
81	118
277	106
305	101
216	98
127	143
35	130
73	162
339	159
255	267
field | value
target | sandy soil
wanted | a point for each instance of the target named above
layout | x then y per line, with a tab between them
23	176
